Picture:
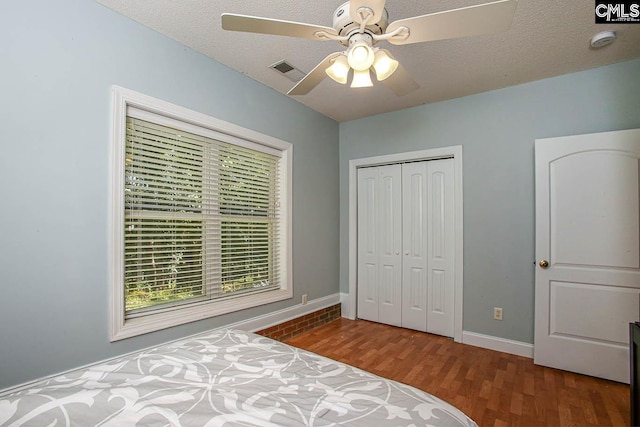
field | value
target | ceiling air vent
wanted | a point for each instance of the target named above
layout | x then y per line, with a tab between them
288	70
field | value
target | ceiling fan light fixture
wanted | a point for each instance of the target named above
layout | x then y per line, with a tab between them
360	56
384	65
361	78
361	24
339	70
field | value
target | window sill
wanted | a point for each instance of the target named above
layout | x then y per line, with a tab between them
155	322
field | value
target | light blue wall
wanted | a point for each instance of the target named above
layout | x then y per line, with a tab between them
58	61
497	130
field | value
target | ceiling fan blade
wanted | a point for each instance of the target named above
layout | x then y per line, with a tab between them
278	27
401	82
377	6
467	21
314	78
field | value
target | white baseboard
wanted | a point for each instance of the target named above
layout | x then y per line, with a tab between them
277	317
345	300
498	344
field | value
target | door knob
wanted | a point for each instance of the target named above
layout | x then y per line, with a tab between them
544	263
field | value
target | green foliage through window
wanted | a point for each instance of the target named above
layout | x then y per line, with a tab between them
200	217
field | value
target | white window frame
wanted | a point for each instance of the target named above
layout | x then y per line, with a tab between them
124	99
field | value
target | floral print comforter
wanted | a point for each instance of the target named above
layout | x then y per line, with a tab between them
225	378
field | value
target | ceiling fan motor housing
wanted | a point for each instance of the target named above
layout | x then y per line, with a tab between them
345	25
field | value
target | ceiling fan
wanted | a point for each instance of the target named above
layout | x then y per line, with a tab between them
360	24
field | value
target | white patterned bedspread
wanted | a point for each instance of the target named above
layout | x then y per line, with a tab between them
225	378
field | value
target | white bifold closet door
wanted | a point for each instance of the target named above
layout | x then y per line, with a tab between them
380	244
405	245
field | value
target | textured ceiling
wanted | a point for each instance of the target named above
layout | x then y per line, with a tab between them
547	38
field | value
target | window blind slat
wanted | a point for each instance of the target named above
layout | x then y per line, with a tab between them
141	148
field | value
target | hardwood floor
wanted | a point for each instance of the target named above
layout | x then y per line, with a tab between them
493	388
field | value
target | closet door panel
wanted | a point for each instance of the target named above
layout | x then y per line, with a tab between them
415	243
390	235
368	268
379	240
440	265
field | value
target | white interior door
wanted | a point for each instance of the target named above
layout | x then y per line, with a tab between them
588	252
406	245
379	243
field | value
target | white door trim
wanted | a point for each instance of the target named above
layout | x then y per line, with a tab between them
454	152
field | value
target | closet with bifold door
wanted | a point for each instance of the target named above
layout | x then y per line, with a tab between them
405	273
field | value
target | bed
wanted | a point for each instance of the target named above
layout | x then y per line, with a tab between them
225	377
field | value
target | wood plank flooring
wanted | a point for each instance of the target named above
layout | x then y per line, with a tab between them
493	388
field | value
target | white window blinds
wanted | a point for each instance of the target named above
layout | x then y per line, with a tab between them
201	219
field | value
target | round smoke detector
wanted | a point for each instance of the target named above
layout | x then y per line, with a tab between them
602	39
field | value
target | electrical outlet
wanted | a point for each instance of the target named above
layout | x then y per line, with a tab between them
497	313
304	299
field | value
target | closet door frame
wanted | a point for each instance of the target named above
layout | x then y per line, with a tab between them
349	302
